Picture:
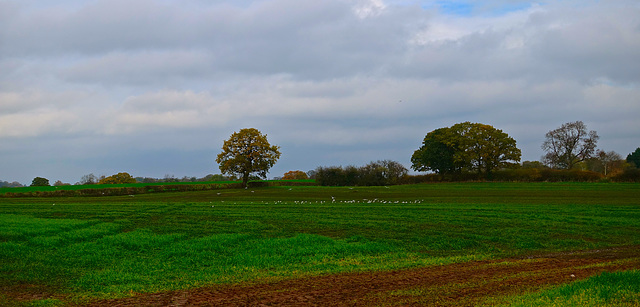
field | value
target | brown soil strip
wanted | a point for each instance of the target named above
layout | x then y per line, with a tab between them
463	284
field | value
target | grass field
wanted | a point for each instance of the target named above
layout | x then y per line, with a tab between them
56	251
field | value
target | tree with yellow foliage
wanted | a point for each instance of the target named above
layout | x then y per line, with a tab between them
295	175
118	178
246	152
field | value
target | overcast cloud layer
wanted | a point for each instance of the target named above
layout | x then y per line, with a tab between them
155	87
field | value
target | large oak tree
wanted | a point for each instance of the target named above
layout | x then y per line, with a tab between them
434	154
466	146
247	152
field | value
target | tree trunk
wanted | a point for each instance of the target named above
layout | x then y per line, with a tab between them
245	179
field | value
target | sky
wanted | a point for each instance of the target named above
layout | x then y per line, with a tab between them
154	87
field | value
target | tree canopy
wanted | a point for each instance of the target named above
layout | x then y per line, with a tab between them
247	152
466	146
40	182
295	175
569	145
435	155
118	178
609	160
634	157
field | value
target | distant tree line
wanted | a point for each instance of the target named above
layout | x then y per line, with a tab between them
126	178
6	184
462	152
171	178
471	151
120	178
571	147
476	152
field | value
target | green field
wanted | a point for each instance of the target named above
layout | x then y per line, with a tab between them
84	248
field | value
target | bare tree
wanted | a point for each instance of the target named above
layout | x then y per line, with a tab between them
568	145
608	160
88	179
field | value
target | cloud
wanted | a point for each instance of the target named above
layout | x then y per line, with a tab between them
167	110
40	122
310	40
141	68
29	114
333	82
369	8
540	42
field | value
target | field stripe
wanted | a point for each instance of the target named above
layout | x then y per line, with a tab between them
462	284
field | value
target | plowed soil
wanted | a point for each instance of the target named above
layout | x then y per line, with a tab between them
462	284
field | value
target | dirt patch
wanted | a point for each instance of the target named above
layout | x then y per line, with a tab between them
29	292
463	284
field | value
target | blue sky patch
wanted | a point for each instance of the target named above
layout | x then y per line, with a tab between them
455	7
468	8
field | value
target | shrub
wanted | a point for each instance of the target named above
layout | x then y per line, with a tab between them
520	175
384	172
628	175
427	178
295	175
554	175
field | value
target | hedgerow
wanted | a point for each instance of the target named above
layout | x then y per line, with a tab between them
134	190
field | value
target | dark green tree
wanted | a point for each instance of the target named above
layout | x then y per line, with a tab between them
434	154
634	158
466	146
40	182
483	148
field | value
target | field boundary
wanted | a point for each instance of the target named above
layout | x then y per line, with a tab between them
135	189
